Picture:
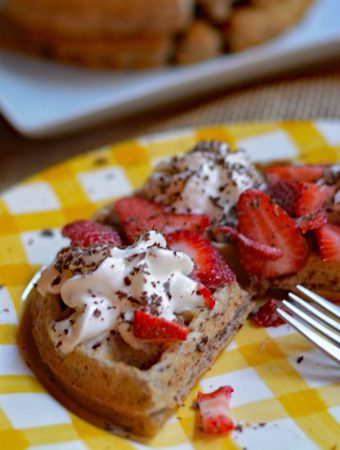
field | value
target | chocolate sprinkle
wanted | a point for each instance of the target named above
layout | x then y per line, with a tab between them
97	313
56	281
47	233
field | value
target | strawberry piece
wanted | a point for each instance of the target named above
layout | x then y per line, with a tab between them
215	410
302	172
86	233
207	296
312	198
328	238
299	198
286	194
311	221
263	221
258	249
138	215
210	267
266	315
146	326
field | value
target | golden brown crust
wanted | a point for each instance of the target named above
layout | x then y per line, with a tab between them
202	41
217	10
139	400
91	18
120	34
316	275
140	51
254	24
323	277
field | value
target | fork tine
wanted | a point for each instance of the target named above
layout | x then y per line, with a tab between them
330	307
311	321
316	312
332	350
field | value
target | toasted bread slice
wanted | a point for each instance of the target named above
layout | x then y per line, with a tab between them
90	18
139	393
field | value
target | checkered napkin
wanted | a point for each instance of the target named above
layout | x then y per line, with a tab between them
281	401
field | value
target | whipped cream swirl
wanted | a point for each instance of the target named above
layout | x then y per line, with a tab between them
207	180
105	287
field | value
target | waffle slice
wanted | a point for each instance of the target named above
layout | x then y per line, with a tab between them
90	18
262	20
145	50
138	391
119	52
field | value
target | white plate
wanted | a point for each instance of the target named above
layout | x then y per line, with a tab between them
44	98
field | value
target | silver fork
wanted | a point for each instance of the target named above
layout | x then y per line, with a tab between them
318	320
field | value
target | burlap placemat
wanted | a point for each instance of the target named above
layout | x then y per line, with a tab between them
311	93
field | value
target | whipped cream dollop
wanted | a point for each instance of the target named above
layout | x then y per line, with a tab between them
209	180
105	285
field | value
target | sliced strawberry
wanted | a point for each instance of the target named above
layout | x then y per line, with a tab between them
215	410
328	238
266	315
286	194
256	248
311	221
299	198
312	198
302	172
146	326
86	233
138	215
260	219
208	297
210	267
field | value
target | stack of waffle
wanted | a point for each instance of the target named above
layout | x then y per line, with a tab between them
142	33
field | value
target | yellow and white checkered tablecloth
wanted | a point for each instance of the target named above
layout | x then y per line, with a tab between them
280	403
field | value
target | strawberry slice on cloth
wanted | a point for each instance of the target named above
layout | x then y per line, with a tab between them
328	238
263	221
138	215
266	315
146	326
215	410
210	267
86	233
